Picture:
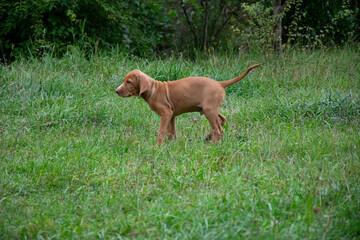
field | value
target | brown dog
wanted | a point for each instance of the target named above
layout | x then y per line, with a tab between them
169	99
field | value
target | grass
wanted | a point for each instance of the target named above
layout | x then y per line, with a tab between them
79	162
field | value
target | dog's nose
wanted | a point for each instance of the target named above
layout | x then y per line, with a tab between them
117	91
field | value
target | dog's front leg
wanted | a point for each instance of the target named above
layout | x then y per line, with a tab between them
164	123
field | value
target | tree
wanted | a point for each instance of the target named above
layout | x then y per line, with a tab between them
278	9
212	16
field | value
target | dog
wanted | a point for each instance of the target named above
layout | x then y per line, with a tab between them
170	99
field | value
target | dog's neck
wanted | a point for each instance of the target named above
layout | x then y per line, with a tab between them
151	91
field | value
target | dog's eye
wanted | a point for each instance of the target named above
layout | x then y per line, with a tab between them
128	82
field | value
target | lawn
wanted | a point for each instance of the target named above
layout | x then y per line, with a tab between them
77	161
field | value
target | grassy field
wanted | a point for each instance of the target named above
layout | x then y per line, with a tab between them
77	161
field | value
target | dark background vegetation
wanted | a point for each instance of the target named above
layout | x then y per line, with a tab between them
153	27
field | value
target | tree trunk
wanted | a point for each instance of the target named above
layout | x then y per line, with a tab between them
206	23
277	8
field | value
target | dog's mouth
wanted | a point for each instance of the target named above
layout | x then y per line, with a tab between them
120	94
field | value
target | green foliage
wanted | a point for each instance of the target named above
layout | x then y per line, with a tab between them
260	30
141	27
34	24
151	27
78	162
308	23
319	23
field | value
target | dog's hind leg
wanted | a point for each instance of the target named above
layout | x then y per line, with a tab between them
221	121
215	123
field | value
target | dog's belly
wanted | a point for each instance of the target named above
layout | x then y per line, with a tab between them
178	111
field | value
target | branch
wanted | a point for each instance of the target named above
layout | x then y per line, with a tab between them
222	7
224	23
189	22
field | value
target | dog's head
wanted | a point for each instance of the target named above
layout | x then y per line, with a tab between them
135	83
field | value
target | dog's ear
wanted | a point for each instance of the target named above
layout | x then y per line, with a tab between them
144	83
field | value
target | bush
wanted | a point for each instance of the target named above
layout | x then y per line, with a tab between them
314	23
141	27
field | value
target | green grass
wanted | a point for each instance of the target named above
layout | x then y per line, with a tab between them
77	161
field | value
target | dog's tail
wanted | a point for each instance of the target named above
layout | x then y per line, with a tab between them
235	80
